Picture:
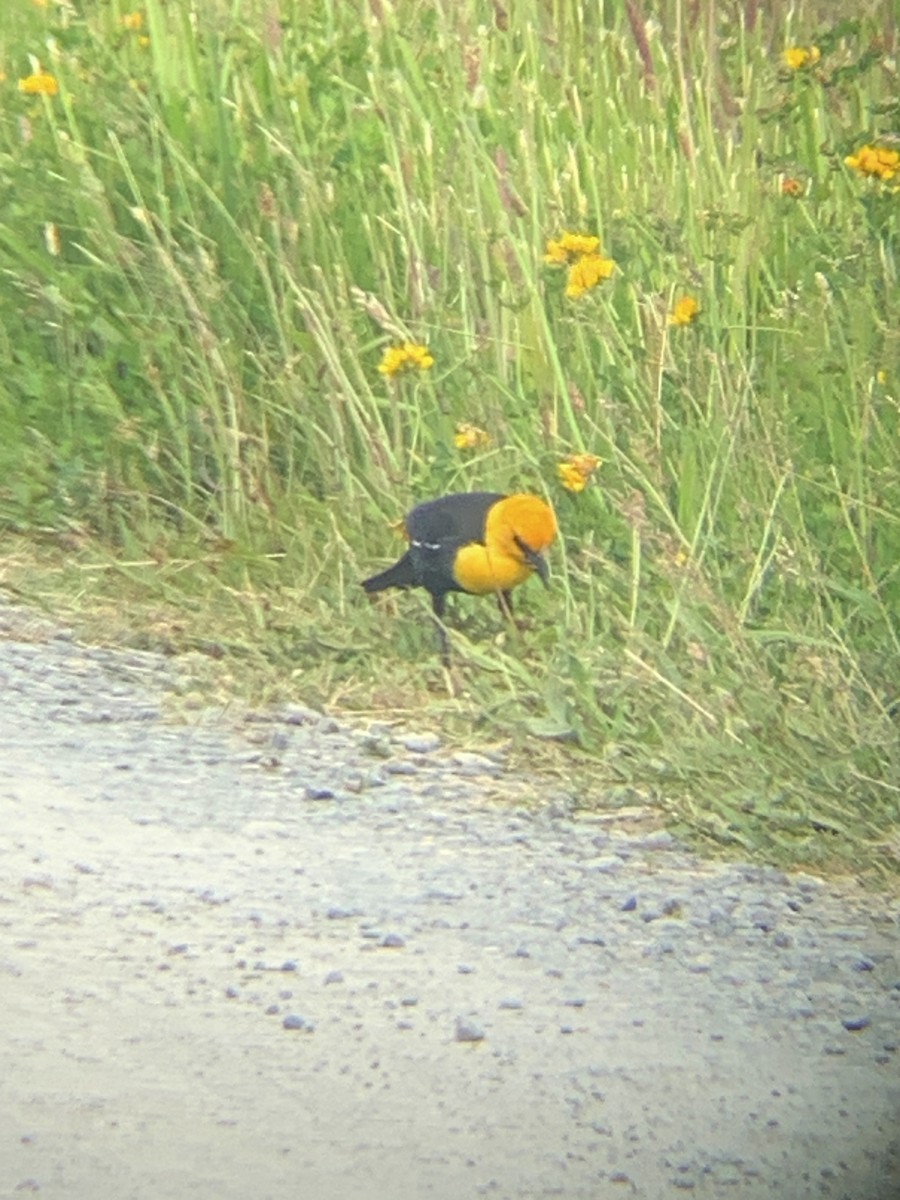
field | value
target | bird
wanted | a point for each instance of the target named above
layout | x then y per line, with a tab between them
475	542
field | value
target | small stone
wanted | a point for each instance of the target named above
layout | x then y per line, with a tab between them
629	904
855	1024
334	977
863	964
318	793
293	714
659	839
376	745
409	1001
401	766
511	1003
289	965
468	1031
295	1021
421	743
701	965
574	1002
606	864
467	763
464	969
393	941
232	993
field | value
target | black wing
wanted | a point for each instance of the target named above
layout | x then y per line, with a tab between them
453	520
436	531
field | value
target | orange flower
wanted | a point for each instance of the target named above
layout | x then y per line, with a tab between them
39	84
405	357
795	57
569	246
471	437
878	161
586	272
684	311
576	469
791	187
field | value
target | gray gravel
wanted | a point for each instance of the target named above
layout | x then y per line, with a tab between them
275	955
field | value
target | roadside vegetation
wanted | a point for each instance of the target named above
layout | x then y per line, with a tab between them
273	271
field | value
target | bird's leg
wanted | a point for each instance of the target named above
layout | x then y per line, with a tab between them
438	605
505	604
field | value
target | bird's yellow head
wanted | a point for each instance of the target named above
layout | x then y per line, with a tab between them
522	527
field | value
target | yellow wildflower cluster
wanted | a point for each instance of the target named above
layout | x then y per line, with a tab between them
684	311
875	160
576	469
39	84
471	437
133	21
569	246
409	356
796	57
587	268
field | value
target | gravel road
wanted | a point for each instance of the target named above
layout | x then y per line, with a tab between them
282	957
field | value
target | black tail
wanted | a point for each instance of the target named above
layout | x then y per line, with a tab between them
399	575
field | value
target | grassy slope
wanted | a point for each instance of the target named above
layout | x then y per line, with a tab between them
196	444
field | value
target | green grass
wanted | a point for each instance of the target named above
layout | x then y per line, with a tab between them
213	230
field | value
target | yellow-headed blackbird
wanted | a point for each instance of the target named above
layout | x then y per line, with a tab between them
476	542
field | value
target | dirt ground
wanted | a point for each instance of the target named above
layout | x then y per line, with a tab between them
289	958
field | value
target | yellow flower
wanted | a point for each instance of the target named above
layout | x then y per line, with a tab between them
470	437
571	479
684	311
874	160
576	469
569	246
408	356
791	187
586	272
795	57
39	84
133	21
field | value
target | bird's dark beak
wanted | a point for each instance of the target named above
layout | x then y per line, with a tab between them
540	565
